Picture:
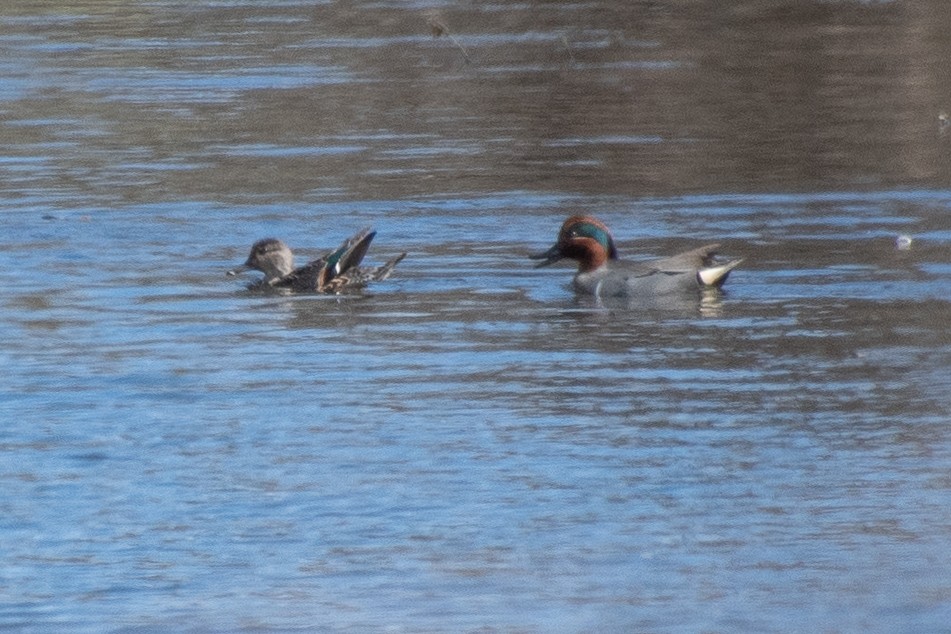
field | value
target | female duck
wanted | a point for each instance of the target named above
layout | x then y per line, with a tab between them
336	271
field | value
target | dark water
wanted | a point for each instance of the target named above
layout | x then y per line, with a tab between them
469	447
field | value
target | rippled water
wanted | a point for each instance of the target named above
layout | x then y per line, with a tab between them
468	446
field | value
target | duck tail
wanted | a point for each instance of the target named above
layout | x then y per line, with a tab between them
383	272
715	276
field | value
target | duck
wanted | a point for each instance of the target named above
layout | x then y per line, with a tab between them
335	272
602	273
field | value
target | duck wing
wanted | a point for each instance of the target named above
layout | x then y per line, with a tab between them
347	256
304	278
700	262
361	275
688	261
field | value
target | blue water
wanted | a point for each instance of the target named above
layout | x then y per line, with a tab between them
466	447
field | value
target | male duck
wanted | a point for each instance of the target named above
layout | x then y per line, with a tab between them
601	273
336	271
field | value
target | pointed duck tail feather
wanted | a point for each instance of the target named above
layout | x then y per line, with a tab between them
383	272
715	276
357	277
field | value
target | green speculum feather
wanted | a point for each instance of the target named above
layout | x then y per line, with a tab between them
333	259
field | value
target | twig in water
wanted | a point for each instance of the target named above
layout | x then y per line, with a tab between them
440	28
564	40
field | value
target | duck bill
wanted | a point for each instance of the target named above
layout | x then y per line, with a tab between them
550	256
239	270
